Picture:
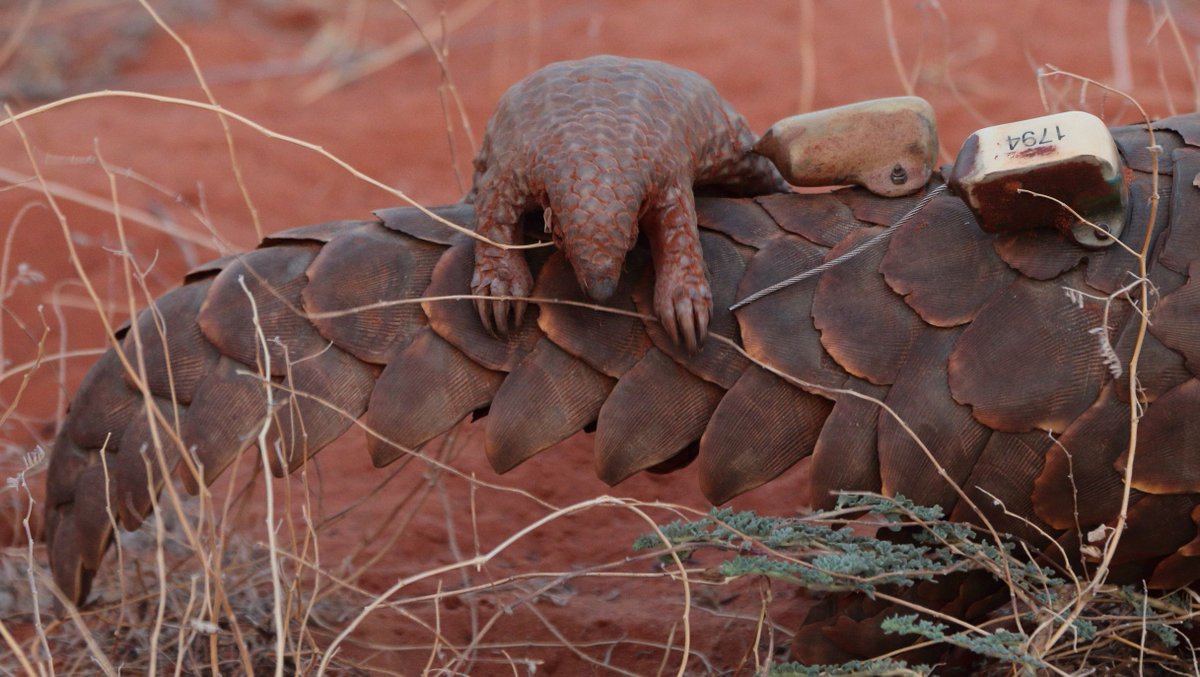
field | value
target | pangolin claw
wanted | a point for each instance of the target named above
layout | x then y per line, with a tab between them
504	274
684	312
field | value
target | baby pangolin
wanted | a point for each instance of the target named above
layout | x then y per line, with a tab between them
604	146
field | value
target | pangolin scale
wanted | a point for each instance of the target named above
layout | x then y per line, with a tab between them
971	338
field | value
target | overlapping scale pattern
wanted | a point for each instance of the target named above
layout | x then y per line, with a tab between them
991	350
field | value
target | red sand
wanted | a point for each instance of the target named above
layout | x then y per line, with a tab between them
974	61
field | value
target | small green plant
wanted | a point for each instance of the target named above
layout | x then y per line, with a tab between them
882	547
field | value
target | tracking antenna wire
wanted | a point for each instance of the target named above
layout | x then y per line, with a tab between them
783	284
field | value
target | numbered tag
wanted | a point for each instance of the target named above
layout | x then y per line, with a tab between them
1008	175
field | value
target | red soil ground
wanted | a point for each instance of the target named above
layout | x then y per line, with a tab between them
975	61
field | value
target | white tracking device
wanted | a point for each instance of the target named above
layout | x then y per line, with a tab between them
1070	157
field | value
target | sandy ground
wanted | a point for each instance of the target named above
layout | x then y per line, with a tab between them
277	63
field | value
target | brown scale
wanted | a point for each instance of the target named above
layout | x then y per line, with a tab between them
846	455
1127	568
1047	378
810	646
274	277
881	211
209	269
1079	475
740	219
821	219
985	598
1172	320
224	418
961	593
762	427
52	516
864	325
1156	526
841	629
67	461
95	514
331	388
66	555
1187	126
1174	571
1134	145
136	450
1192	547
416	223
426	389
386	266
1183	238
679	461
458	321
921	398
1159	368
778	328
1163	280
609	343
943	248
715	361
1040	254
1005	471
551	386
655	411
104	404
83	490
1114	267
1168	456
176	355
318	232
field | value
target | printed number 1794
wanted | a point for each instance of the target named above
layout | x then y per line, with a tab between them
1031	138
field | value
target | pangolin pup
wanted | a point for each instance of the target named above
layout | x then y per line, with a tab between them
606	145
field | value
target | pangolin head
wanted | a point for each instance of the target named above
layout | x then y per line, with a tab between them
596	249
595	227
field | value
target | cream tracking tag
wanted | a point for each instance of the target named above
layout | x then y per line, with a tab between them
1070	157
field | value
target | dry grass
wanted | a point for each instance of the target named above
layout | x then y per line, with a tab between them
212	585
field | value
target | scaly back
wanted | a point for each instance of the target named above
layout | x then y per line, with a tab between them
979	343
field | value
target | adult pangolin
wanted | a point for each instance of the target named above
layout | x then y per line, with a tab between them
961	368
605	145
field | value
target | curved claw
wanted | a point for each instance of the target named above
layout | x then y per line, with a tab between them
666	317
684	312
484	308
502	273
703	316
500	308
519	313
687	326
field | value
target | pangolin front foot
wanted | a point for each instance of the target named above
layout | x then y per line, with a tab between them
683	303
500	273
682	296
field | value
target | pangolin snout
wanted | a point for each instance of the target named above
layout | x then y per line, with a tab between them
596	247
598	275
596	224
601	289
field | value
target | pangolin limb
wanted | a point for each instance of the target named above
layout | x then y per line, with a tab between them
971	338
